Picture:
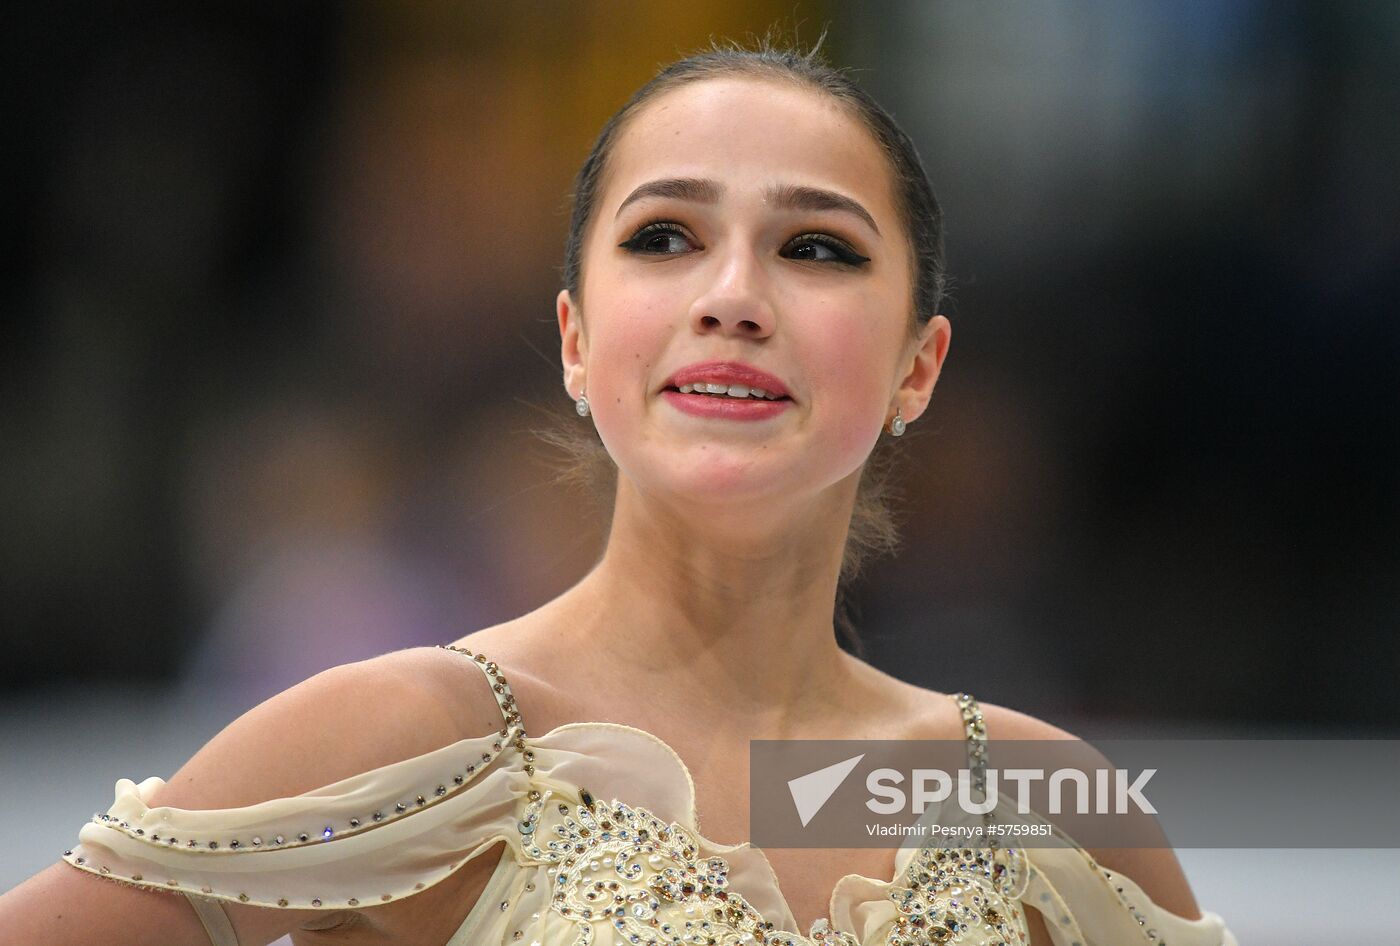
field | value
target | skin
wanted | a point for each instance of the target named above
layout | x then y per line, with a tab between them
727	535
720	573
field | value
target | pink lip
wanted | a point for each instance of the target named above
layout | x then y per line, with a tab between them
728	372
728	408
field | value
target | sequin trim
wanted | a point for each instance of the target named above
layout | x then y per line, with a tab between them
947	895
954	893
1149	933
512	733
621	864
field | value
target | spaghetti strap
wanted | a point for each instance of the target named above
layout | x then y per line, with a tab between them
505	699
975	732
216	922
389	833
373	837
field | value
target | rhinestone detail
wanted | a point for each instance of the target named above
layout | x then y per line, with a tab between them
946	892
620	864
512	733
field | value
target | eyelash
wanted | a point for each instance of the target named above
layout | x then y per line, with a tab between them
845	255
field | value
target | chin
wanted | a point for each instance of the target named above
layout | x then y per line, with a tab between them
724	483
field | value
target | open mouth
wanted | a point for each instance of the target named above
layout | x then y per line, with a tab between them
730	392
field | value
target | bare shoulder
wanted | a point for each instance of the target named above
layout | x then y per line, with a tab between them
1005	723
527	656
345	720
1156	870
342	721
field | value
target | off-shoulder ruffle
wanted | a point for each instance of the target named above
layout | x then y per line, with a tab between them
376	836
439	810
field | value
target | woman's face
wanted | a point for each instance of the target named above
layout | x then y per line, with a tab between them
725	269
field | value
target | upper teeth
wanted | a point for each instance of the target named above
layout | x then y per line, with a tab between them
733	390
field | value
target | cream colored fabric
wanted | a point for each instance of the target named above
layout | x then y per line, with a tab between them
439	810
215	920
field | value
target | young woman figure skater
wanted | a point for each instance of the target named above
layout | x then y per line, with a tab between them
750	314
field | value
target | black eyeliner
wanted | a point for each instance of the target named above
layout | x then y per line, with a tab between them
846	255
649	229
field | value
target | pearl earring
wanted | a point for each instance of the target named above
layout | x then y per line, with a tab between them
897	425
581	405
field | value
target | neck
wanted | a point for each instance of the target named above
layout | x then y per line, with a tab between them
728	611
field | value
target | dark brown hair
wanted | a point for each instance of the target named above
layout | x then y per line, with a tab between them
873	528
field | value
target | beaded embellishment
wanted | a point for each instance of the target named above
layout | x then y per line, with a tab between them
512	733
621	864
1148	932
955	892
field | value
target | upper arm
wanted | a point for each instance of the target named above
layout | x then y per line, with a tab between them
60	906
1155	869
342	721
346	720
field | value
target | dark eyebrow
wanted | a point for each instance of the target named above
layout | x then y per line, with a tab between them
694	189
798	197
784	196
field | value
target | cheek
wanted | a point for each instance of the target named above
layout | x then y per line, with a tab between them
626	341
854	393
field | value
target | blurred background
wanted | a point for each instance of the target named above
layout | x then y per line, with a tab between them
278	320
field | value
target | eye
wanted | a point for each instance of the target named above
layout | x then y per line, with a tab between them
654	238
837	251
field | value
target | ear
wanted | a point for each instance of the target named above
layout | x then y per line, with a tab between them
924	367
573	350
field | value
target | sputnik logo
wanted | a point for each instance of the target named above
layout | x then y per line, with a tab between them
811	791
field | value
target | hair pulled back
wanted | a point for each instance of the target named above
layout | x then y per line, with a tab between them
873	529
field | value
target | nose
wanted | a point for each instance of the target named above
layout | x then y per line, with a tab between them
736	303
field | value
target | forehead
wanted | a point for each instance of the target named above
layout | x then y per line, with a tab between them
746	133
